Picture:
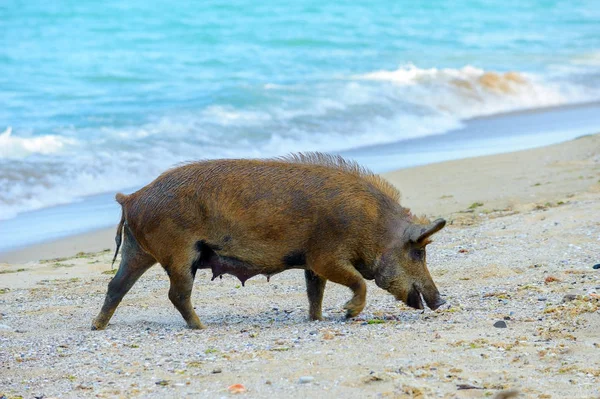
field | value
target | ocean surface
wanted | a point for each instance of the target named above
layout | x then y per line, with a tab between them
97	97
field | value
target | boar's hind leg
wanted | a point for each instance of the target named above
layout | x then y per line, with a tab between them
315	285
342	272
180	292
134	262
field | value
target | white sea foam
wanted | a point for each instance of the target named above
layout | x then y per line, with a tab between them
19	147
228	116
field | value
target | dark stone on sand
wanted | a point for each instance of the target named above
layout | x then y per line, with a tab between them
596	266
500	324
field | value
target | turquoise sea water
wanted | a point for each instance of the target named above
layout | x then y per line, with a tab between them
101	96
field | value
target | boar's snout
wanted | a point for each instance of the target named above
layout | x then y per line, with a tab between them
433	301
436	303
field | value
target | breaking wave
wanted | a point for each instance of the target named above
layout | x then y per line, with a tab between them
471	92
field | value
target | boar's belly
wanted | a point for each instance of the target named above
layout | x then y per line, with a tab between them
210	259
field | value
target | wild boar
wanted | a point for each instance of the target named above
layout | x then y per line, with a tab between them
330	217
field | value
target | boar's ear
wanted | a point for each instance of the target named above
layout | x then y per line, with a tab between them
419	234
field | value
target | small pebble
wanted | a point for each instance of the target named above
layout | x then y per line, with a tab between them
569	297
542	298
596	266
237	388
217	371
500	324
306	379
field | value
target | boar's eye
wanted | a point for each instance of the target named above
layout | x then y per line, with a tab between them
417	254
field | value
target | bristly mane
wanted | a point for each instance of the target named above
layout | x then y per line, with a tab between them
337	162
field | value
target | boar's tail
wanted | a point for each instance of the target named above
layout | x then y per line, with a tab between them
118	238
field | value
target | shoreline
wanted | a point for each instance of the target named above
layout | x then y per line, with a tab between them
548	108
522	179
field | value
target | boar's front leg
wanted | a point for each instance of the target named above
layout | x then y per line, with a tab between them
315	286
180	292
342	272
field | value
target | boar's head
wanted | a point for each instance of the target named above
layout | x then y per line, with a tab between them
402	268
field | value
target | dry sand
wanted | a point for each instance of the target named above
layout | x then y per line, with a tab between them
523	257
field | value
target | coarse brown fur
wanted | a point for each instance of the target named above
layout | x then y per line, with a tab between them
321	213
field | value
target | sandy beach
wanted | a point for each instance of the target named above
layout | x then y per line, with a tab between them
515	265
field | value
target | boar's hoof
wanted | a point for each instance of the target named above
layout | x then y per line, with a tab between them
313	317
353	309
351	313
197	326
98	326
